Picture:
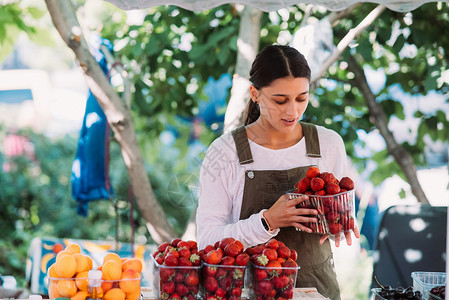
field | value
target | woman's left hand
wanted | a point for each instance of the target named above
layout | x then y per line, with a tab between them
347	234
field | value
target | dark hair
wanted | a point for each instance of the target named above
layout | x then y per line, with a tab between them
272	63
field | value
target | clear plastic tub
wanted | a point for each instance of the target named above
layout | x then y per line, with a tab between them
221	281
336	213
425	281
263	282
182	280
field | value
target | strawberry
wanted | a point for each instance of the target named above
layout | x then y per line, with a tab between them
160	258
225	283
332	188
258	249
317	184
210	284
208	248
237	274
232	250
236	291
182	244
168	287
192	245
293	254
348	223
333	216
280	281
174	242
210	271
284	252
195	259
179	277
347	183
335	228
238	282
181	289
163	246
220	293
184	262
221	273
184	252
242	259
260	259
272	244
171	260
270	253
274	268
303	185
214	257
226	241
320	193
228	261
261	274
192	279
211	298
264	287
312	172
287	293
167	274
238	243
290	266
328	177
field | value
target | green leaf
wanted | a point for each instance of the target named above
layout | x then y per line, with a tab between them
7	44
402	194
35	12
399	43
42	37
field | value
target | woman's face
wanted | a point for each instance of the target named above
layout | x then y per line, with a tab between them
282	103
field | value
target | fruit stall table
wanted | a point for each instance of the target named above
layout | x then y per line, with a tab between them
299	294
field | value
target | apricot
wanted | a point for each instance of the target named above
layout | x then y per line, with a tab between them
67	288
130	281
65	267
114	294
81	262
81	295
81	280
73	248
112	256
132	263
112	270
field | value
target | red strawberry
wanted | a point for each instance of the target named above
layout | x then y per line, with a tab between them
242	259
192	245
272	244
168	287
179	277
238	243
210	271
184	262
259	248
220	293
312	172
264	287
175	297
192	278
162	246
290	266
232	250
328	177
293	254
160	258
214	257
280	281
225	283
174	242
210	284
184	252
333	216
346	183
284	252
236	291
274	268
227	261
181	289
208	248
261	274
238	282
171	260
317	184
348	223
226	241
260	260
237	274
320	193
167	274
303	185
182	244
270	253
332	188
195	259
221	273
335	228
287	293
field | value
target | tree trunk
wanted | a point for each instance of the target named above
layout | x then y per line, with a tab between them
248	45
380	120
119	118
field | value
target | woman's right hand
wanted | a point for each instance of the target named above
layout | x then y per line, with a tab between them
284	213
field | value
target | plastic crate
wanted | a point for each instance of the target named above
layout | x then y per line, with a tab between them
425	281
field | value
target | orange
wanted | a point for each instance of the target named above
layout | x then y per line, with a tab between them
114	294
73	248
134	295
112	270
112	256
106	286
51	272
81	280
132	263
67	288
81	295
130	281
65	267
89	262
81	262
61	254
54	293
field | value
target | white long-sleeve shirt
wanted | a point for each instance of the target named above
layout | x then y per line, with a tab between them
222	181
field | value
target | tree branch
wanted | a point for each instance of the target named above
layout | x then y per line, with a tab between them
119	118
380	120
351	35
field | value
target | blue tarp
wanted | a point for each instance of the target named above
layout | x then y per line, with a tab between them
90	179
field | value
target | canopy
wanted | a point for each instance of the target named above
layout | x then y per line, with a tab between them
267	5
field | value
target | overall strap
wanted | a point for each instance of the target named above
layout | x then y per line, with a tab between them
242	145
312	142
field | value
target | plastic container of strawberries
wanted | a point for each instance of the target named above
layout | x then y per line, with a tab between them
264	282
182	280
221	281
336	213
425	281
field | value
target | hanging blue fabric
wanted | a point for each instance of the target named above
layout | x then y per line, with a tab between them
90	174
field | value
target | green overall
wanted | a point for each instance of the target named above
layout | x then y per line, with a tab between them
263	188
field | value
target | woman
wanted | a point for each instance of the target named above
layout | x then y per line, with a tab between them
246	173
